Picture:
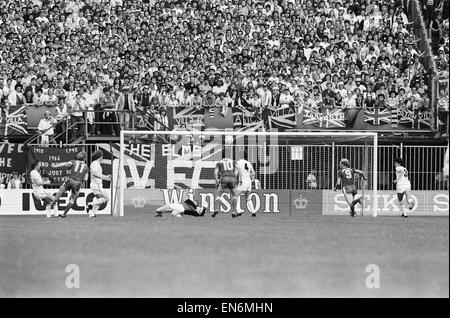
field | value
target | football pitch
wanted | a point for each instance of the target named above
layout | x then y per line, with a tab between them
267	256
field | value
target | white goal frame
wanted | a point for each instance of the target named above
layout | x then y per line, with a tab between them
330	134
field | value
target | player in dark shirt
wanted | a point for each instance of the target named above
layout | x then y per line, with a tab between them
187	207
226	178
346	180
78	174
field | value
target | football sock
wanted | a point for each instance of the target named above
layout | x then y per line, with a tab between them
404	210
68	207
97	203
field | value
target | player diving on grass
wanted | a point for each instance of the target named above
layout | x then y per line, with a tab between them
187	207
97	178
38	189
78	174
246	175
403	187
225	175
346	181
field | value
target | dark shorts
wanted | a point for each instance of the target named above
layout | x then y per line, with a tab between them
72	185
350	189
228	182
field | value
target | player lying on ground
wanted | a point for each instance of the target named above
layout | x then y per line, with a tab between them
226	177
188	207
346	180
38	189
78	174
97	178
403	187
246	175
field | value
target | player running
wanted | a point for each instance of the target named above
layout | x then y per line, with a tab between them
346	180
38	189
78	174
97	178
246	175
403	187
187	207
225	175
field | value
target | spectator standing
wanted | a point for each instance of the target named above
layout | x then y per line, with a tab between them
45	128
126	107
15	182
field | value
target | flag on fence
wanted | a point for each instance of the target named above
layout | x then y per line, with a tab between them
415	118
13	121
246	120
190	116
284	117
145	118
328	118
377	117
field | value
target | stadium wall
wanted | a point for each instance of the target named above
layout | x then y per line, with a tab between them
269	202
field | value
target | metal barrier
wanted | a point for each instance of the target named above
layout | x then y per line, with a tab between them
424	164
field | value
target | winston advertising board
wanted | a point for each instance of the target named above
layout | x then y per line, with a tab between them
262	201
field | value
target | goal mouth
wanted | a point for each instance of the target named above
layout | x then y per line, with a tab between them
153	165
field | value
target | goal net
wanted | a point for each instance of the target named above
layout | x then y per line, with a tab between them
295	172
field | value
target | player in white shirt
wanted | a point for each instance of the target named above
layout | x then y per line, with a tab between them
246	174
97	178
38	188
403	186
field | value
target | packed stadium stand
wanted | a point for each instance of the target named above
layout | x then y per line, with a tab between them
70	70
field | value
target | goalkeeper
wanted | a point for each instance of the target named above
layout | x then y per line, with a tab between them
187	207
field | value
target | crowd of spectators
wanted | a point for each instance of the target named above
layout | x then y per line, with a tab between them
437	22
114	55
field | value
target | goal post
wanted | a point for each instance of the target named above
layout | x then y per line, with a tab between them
282	160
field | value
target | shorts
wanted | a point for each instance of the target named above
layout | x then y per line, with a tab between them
228	182
350	189
41	194
97	189
403	187
246	185
177	208
72	185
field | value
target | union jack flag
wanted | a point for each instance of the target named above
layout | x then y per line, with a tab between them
190	116
334	118
246	120
377	117
13	121
283	117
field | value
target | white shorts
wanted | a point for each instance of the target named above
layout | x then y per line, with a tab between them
403	187
177	208
97	189
245	186
41	194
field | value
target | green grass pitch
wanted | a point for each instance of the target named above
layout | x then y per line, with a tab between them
267	256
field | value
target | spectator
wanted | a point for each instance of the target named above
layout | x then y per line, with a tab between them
125	104
45	128
76	108
311	180
108	116
15	182
223	47
15	97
